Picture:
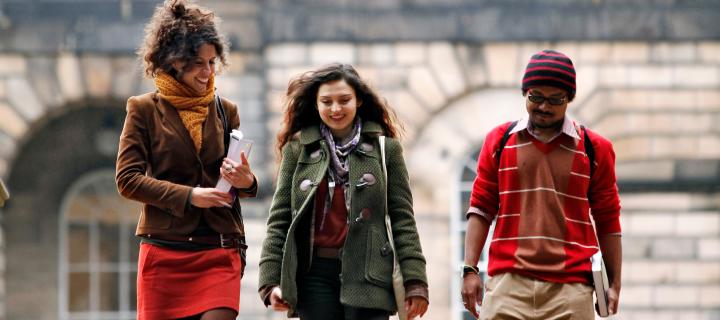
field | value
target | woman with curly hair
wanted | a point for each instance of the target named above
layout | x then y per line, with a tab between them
327	253
171	155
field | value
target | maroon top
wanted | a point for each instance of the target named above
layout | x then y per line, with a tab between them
330	230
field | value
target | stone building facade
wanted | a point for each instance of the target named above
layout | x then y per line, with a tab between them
648	79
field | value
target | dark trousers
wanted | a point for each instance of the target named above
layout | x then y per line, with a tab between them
319	295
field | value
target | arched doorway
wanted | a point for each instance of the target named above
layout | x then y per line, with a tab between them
51	165
442	163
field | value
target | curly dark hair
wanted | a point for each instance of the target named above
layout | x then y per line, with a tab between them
176	32
301	102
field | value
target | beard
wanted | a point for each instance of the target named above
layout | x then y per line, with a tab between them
547	125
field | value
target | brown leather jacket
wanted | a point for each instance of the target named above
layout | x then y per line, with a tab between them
157	165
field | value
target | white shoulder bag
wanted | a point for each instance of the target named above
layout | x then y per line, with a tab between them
397	278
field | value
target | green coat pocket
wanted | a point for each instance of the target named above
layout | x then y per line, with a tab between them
379	260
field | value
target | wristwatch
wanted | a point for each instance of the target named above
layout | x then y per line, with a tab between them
470	269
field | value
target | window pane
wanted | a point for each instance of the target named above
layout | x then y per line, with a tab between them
129	211
133	291
134	249
78	244
109	243
109	291
468	175
80	208
79	291
465	203
462	246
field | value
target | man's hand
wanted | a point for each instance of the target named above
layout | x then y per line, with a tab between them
613	295
276	300
472	293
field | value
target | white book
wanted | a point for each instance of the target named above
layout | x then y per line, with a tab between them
600	282
237	146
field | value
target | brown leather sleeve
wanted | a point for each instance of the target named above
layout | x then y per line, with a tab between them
264	292
250	192
132	163
416	288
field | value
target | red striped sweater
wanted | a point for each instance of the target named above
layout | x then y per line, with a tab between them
541	197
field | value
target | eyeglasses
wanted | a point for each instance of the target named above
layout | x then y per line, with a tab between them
541	99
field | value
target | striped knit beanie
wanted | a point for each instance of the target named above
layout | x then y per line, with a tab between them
550	68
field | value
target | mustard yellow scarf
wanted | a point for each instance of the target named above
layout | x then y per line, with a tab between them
191	107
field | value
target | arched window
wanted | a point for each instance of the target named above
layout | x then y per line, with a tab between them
458	226
98	250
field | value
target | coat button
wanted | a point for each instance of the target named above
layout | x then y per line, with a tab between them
366	179
385	250
305	185
316	154
366	147
366	213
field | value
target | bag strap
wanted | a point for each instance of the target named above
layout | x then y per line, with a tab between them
589	149
503	141
223	118
398	283
384	169
388	222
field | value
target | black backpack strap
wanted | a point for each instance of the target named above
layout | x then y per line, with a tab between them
223	118
589	149
503	141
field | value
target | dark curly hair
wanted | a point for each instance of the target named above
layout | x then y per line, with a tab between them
176	32
301	102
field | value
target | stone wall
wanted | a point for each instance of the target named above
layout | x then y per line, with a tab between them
31	87
657	102
671	256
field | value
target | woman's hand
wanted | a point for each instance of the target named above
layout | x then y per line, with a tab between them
415	306
276	300
238	174
210	197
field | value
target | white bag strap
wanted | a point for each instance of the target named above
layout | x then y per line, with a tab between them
388	223
398	288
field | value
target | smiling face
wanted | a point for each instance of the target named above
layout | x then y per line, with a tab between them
545	115
197	72
337	105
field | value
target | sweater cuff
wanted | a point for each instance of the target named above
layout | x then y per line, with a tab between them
250	191
477	211
265	291
416	288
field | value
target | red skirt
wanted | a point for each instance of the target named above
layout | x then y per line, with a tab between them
174	284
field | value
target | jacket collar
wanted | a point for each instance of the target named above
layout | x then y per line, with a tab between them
311	134
171	115
568	127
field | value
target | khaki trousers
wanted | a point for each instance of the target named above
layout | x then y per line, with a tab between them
512	296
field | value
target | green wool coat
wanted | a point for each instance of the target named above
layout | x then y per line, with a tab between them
367	259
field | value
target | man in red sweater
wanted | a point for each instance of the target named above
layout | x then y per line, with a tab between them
535	181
